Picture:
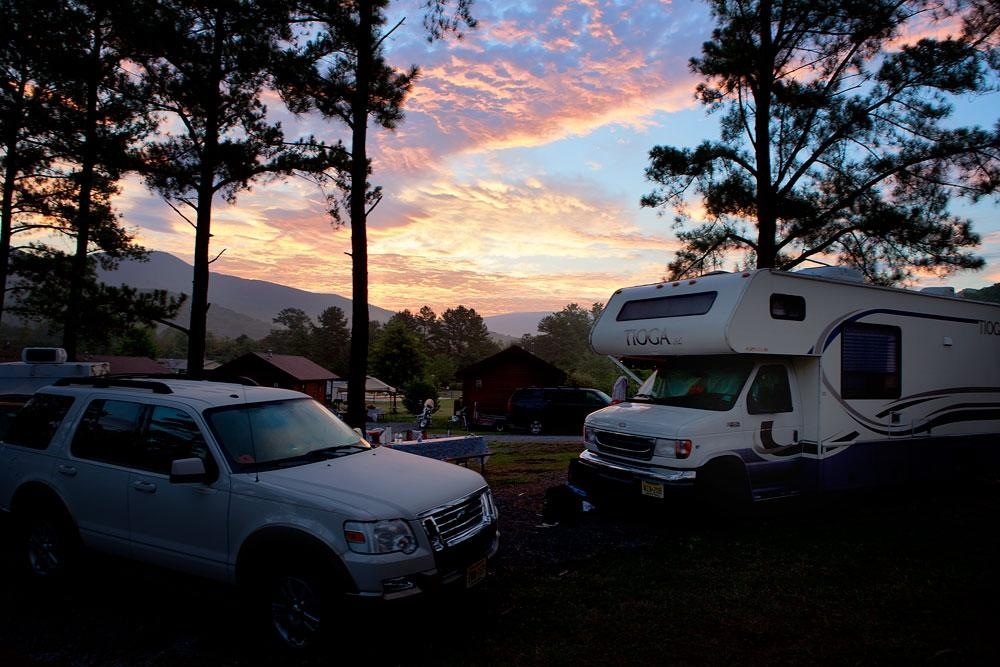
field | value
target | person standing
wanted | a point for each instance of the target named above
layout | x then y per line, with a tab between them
424	421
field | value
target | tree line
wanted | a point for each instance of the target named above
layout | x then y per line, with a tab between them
174	90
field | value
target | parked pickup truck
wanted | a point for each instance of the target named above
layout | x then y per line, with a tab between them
258	486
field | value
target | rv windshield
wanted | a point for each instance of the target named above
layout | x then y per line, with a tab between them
696	382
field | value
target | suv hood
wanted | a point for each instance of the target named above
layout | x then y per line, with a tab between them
650	420
377	484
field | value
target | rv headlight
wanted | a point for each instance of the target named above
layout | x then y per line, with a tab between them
380	537
673	448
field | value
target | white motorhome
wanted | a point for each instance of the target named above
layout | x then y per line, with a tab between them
768	383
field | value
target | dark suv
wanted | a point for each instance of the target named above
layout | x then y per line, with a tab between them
553	409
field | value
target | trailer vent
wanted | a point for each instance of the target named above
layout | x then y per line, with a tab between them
630	446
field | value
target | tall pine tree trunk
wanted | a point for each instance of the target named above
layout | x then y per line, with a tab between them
358	369
83	223
767	211
10	141
198	329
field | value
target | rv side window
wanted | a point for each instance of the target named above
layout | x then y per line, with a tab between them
788	307
769	392
869	364
679	305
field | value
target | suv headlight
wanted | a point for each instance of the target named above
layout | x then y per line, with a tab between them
380	537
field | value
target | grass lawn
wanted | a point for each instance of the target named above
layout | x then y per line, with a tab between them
889	577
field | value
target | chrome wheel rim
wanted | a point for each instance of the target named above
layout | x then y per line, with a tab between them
44	549
295	612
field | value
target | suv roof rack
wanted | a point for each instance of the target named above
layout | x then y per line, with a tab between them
105	382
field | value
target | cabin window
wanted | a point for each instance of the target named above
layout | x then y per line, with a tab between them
870	361
770	392
788	307
678	305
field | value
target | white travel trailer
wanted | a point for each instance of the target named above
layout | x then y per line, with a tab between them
41	366
769	383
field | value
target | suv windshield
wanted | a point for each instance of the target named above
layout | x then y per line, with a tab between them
259	436
696	382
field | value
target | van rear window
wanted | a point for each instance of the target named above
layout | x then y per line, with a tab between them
678	305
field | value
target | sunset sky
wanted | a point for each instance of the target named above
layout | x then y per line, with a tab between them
514	182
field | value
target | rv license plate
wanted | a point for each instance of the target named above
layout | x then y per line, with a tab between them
652	489
475	574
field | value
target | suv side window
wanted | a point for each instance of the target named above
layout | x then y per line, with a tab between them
108	432
555	396
38	420
171	434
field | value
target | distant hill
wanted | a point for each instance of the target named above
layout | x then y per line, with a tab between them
242	306
515	324
991	293
238	305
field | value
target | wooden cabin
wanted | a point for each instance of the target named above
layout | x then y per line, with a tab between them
487	384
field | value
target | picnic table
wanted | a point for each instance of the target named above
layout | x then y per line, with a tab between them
454	449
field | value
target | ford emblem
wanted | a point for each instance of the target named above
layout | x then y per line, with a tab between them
622	425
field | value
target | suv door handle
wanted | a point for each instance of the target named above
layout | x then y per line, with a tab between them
69	471
144	487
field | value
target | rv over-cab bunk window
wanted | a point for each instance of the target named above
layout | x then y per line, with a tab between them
678	305
869	361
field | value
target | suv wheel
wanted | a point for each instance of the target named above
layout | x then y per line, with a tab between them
535	427
49	545
299	606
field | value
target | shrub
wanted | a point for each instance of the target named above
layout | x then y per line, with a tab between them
415	393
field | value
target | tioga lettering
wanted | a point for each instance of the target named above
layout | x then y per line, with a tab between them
989	328
646	337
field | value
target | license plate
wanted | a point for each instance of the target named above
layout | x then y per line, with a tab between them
475	573
652	489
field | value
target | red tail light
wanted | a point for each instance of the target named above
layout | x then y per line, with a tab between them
682	448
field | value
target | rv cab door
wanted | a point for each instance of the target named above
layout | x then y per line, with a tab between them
773	417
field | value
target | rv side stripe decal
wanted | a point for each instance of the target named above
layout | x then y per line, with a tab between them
888	311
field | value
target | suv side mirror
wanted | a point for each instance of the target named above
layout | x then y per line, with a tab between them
188	471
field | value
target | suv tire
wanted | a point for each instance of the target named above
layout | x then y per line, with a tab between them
49	543
299	603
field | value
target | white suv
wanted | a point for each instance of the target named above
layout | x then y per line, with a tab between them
258	486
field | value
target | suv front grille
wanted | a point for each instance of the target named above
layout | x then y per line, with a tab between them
630	446
451	524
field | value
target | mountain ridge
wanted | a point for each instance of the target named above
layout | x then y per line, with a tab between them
248	306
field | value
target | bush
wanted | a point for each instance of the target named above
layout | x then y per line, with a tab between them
415	393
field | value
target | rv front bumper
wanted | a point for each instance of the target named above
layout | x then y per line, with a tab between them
599	479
